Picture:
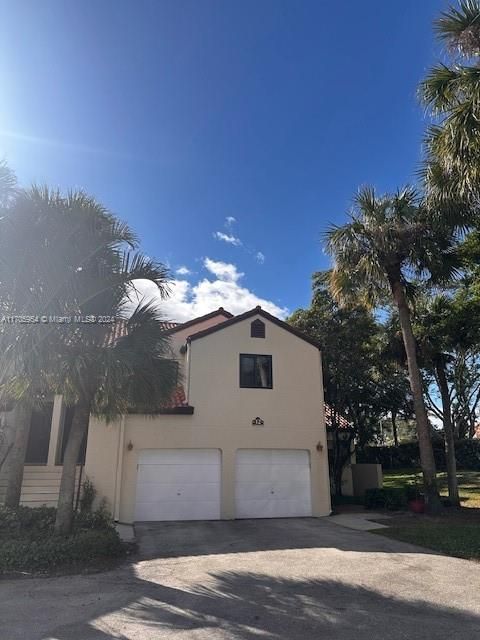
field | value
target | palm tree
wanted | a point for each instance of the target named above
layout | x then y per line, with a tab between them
388	240
107	370
451	94
437	330
62	256
46	241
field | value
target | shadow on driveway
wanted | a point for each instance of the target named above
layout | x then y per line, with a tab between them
250	606
274	579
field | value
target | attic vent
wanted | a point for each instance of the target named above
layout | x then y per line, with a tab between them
257	329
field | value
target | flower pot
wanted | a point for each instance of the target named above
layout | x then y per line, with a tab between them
417	505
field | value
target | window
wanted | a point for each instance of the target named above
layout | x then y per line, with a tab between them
39	436
257	329
67	425
255	371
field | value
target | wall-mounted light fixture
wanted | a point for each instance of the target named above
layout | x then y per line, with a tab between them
319	447
130	446
257	422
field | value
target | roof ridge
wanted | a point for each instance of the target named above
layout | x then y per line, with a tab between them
249	314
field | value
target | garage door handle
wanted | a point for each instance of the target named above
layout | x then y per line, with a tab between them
178	493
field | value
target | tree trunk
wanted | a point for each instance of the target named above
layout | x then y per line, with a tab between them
427	459
394	428
448	435
64	519
16	461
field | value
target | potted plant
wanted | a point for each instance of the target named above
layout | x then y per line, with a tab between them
416	501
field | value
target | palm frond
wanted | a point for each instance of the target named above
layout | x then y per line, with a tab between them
460	28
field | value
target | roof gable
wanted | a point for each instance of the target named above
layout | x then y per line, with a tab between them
191	323
249	314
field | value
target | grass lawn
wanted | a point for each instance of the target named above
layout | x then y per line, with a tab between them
460	540
455	532
468	484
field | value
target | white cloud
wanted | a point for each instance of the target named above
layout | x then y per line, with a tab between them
260	257
183	271
229	239
230	221
223	270
224	289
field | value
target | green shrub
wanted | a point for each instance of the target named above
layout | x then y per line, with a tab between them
340	500
36	522
99	519
87	496
25	520
51	552
407	455
391	499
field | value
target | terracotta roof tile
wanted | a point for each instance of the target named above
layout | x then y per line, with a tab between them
342	422
178	399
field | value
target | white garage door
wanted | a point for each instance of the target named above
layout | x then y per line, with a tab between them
272	483
178	484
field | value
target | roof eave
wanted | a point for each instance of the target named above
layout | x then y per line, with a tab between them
249	314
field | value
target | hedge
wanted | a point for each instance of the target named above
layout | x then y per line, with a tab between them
407	456
392	499
28	542
51	552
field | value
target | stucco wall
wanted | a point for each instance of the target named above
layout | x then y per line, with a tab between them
366	476
178	340
292	412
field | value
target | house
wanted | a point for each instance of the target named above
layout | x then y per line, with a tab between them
243	437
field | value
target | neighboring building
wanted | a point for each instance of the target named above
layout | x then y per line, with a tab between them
244	435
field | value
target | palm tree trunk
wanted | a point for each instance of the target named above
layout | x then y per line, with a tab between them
427	459
64	519
16	461
394	428
448	435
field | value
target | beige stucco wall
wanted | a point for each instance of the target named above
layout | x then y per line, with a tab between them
292	412
178	340
366	476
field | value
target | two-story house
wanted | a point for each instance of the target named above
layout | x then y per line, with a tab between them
244	436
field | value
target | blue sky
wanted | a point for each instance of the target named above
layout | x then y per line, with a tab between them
228	134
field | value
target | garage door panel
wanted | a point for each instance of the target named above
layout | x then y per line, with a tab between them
253	490
254	473
288	490
192	473
179	484
172	510
149	492
272	483
289	473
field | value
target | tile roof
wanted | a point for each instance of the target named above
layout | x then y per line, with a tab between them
180	326
177	399
342	422
119	327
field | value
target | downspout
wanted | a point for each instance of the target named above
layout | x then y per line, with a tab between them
188	368
118	470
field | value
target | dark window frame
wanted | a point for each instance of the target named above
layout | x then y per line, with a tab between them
255	355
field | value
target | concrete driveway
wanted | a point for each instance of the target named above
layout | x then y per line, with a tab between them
250	580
